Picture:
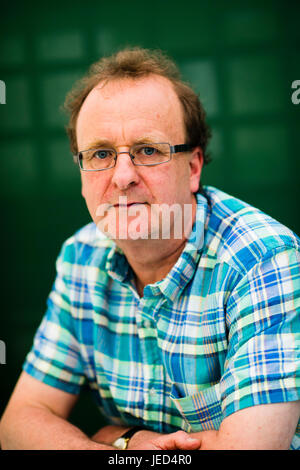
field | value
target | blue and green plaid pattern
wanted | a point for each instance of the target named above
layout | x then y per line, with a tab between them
220	333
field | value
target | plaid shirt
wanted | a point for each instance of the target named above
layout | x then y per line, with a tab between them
218	334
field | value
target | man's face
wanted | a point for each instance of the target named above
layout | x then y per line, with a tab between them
117	116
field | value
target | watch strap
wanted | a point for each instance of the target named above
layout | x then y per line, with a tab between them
128	434
122	441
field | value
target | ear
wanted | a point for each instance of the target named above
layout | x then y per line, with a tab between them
196	164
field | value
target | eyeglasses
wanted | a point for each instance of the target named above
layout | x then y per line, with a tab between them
99	159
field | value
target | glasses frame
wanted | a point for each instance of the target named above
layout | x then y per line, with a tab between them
173	149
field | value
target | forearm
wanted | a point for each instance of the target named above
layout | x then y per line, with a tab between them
218	440
34	428
263	427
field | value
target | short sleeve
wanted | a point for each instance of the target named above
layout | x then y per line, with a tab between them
55	355
263	317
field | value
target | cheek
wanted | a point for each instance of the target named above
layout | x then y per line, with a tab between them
91	187
160	179
89	180
165	182
176	174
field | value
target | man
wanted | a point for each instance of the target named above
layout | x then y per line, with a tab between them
188	329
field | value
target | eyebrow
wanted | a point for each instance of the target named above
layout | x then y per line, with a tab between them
147	139
99	143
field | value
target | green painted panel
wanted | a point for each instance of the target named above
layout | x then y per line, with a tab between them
18	167
60	46
254	25
54	87
261	155
12	51
255	84
62	170
16	114
201	74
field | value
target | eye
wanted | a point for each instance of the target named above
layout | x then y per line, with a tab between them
148	151
101	154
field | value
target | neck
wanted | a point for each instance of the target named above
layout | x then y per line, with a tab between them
151	259
154	263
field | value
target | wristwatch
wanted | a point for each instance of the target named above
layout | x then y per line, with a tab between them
122	442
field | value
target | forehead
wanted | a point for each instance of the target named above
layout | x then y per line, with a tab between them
130	106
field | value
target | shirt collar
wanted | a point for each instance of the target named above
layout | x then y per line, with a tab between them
118	268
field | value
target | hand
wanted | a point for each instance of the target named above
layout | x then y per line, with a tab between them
148	440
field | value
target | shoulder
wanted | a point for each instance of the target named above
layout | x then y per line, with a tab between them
88	245
242	235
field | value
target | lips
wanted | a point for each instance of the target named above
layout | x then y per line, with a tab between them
129	204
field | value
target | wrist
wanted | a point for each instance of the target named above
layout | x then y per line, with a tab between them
109	433
122	442
142	439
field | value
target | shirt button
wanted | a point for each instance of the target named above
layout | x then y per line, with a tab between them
147	324
152	391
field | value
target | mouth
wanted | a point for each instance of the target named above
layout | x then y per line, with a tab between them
129	204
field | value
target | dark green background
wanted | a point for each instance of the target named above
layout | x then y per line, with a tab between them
241	56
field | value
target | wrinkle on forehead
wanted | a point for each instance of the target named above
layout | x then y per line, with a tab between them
138	100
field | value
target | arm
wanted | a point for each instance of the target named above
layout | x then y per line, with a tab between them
262	427
36	418
262	363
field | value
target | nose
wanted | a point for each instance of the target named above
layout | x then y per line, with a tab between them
125	173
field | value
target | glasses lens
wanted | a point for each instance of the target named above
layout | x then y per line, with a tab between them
97	159
150	154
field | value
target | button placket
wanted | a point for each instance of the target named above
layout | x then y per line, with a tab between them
153	373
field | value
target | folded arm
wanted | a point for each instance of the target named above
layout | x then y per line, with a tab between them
36	418
261	427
